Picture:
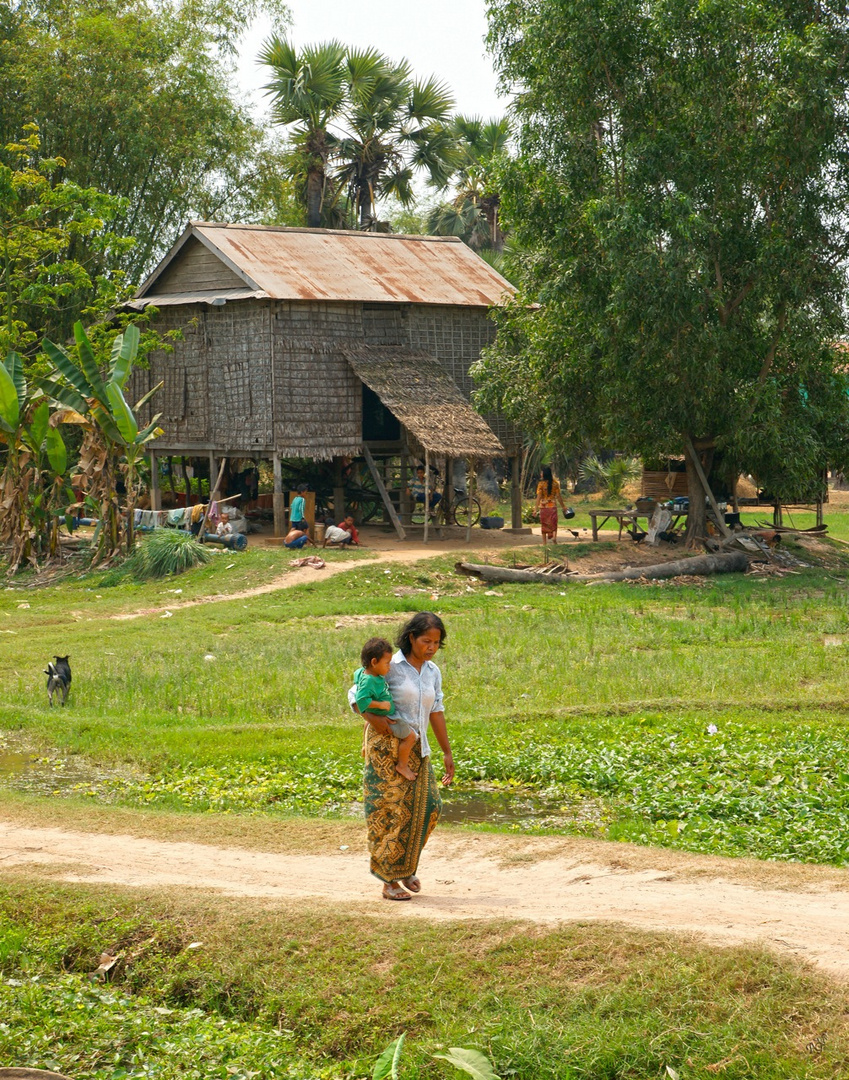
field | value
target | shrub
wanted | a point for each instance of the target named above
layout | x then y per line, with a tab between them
164	552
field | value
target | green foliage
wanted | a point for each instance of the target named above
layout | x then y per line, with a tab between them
164	553
136	99
53	235
113	442
360	128
680	223
611	475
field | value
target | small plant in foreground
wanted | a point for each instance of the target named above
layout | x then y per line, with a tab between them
166	551
472	1062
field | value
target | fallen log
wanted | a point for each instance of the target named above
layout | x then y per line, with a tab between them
732	562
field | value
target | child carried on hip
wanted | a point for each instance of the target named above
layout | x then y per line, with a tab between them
373	696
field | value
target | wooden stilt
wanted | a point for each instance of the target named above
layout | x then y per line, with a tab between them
384	494
155	497
278	498
426	494
471	485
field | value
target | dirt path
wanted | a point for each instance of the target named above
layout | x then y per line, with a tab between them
466	877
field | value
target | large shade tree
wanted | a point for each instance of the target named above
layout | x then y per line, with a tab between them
137	97
679	199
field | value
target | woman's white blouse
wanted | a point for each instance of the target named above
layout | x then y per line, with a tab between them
415	694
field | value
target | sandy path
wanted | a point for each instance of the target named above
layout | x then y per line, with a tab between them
466	878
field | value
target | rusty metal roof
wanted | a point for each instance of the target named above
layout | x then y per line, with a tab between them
209	296
324	264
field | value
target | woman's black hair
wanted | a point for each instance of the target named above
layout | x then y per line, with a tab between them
547	476
420	623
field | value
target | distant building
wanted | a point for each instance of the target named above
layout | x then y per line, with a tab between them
315	344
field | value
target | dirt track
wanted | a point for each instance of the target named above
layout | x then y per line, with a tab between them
466	877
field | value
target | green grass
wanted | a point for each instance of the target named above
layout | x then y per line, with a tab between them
595	700
318	994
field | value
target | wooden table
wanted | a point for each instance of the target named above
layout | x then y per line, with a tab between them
628	517
624	517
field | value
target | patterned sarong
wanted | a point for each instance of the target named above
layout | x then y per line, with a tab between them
400	815
548	520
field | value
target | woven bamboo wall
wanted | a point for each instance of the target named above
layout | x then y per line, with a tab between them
217	388
317	397
456	337
220	386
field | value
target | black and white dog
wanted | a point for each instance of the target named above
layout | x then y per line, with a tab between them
58	678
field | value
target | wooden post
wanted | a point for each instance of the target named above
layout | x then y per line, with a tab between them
188	481
211	471
819	511
471	484
384	494
426	494
777	516
447	490
404	502
155	498
516	524
212	491
278	498
338	490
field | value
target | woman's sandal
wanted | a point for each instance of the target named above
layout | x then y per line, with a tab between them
412	883
393	891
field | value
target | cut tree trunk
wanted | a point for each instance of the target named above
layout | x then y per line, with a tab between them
731	562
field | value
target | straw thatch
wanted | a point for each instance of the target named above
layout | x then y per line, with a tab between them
417	389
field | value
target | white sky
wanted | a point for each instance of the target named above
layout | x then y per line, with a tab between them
444	38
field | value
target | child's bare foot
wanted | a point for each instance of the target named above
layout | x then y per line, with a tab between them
405	771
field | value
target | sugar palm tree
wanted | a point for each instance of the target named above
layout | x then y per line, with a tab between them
473	213
396	126
307	92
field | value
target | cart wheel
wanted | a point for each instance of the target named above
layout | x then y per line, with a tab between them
467	512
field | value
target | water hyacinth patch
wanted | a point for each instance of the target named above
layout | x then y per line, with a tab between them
777	792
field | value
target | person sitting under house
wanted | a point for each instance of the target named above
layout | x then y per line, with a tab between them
417	490
297	538
337	535
348	525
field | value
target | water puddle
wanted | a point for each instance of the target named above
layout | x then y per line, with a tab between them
45	774
522	810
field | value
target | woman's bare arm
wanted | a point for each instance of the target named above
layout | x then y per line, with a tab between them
440	730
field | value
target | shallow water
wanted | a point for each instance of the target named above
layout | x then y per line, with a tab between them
45	774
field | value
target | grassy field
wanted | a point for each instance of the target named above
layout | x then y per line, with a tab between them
314	993
706	717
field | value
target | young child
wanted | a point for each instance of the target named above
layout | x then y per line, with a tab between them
373	696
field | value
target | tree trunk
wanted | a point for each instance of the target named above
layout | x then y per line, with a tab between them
315	185
697	513
730	562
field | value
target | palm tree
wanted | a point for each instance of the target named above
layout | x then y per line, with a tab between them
396	126
473	213
308	91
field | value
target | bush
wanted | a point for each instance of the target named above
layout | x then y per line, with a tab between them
164	552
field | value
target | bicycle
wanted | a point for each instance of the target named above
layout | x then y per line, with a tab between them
463	510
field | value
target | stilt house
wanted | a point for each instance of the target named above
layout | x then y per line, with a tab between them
321	344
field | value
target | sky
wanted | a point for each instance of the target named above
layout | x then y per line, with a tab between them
444	38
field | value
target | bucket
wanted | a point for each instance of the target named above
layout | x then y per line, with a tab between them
319	532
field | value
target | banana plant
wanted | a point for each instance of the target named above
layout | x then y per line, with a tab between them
114	442
33	483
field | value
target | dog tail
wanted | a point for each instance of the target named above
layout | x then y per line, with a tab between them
51	669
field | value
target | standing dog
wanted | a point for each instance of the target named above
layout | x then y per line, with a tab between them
58	678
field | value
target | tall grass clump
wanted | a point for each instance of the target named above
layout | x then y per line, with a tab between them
166	552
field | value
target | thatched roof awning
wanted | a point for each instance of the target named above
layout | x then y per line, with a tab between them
417	389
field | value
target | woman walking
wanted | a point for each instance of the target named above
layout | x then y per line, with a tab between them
548	496
400	813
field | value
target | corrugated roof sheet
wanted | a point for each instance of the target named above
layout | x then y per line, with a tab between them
322	264
151	299
416	388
